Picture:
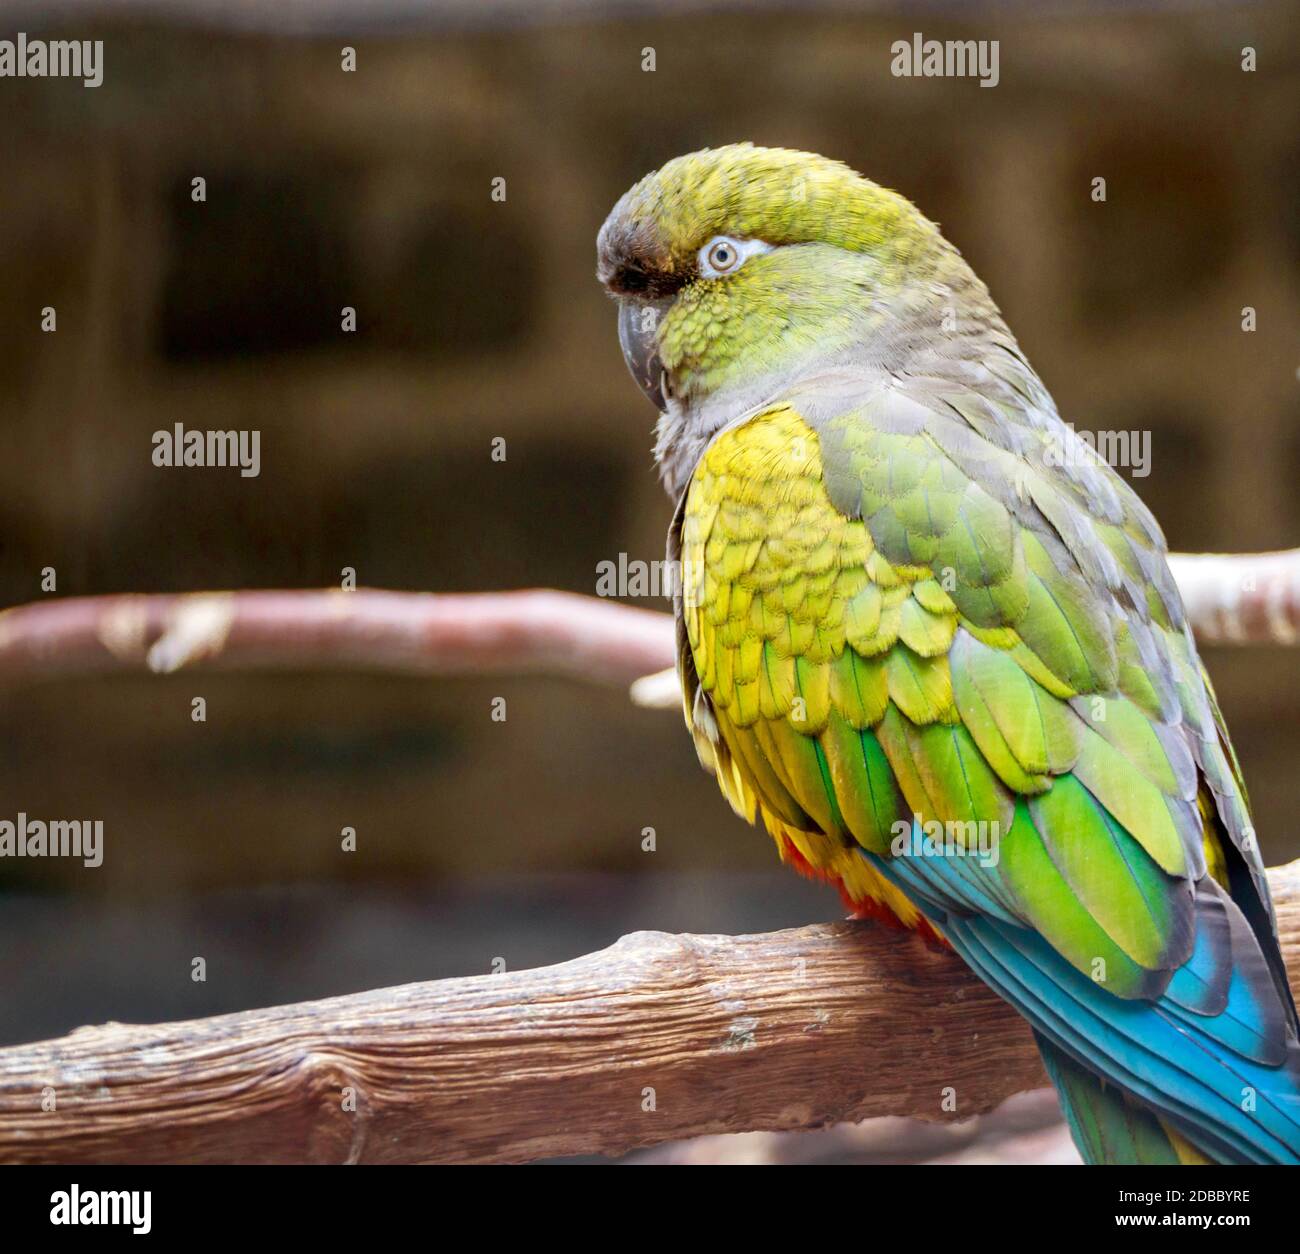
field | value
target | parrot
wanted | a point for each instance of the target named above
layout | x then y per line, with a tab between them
931	640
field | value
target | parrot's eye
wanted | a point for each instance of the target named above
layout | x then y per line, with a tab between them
723	255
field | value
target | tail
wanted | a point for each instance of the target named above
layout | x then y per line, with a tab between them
1206	1070
1107	1126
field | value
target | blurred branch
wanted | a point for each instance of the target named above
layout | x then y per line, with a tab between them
656	1038
1231	599
1245	598
421	632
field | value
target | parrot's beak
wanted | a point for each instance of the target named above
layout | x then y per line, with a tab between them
638	334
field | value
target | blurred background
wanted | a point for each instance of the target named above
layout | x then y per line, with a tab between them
480	318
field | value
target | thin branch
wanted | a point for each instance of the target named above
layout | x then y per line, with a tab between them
463	633
1247	598
1231	599
654	1039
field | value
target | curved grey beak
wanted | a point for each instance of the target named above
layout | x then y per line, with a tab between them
638	335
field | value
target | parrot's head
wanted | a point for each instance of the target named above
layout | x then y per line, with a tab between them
738	269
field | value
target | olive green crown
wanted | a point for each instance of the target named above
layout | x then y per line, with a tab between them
774	194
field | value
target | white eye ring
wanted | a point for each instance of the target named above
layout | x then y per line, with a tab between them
723	255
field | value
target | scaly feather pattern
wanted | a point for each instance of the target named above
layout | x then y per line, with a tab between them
927	647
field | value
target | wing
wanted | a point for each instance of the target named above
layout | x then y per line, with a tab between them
924	613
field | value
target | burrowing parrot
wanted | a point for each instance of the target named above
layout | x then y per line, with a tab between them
933	642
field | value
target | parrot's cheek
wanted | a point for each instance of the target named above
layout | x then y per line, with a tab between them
638	334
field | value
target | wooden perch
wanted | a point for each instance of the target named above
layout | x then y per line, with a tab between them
656	1038
1231	599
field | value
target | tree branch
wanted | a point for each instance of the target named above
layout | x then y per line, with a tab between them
656	1038
422	632
1246	598
1231	599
